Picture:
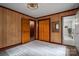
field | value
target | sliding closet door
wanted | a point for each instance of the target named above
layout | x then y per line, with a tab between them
40	30
44	30
25	30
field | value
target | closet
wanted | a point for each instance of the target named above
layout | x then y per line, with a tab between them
44	30
25	26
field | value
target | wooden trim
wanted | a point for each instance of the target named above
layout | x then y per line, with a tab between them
57	43
32	20
21	31
62	28
35	30
11	46
57	13
16	11
43	19
49	27
8	47
38	29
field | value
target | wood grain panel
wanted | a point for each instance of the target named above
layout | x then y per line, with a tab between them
40	30
44	30
37	30
56	37
25	30
13	28
10	27
1	16
4	27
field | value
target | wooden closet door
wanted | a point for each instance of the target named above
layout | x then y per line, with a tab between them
25	30
40	30
44	30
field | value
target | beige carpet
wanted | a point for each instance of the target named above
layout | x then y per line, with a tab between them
37	48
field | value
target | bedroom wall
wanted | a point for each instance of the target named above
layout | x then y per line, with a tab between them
10	27
56	37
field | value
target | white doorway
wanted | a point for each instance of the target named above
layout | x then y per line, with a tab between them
68	30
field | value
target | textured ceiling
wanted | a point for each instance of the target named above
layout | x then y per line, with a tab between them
43	8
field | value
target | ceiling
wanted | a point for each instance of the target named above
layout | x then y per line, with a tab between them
43	8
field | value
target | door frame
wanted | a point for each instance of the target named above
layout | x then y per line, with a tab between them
29	22
34	27
62	29
49	29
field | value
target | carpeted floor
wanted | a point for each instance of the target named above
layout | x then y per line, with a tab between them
37	48
72	51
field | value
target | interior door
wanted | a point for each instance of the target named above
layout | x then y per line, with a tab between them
32	30
25	30
44	30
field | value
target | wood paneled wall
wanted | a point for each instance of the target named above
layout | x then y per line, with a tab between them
56	37
1	34
10	27
13	30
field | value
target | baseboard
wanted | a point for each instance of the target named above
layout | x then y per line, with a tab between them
57	43
51	42
4	48
44	41
11	46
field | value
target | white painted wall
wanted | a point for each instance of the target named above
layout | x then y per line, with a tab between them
77	31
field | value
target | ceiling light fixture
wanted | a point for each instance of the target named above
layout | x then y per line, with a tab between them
32	5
